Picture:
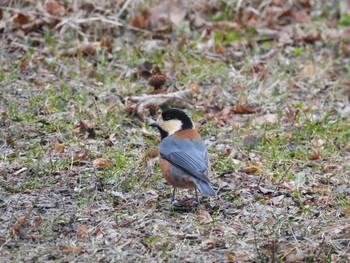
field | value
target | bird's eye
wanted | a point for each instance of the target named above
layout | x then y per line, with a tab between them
166	118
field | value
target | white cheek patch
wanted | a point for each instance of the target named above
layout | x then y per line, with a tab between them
172	126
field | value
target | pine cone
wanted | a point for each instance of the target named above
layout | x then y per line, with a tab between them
157	80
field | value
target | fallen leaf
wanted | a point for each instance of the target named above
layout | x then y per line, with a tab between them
256	68
81	156
54	8
151	153
315	155
83	231
209	243
24	64
230	257
301	17
268	118
345	211
145	104
4	115
245	109
21	19
308	69
98	232
87	49
141	21
219	49
102	163
252	170
72	249
104	42
204	217
10	141
58	147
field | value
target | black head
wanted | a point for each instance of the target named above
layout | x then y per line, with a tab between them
176	114
171	121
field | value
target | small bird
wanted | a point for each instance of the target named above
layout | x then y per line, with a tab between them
183	156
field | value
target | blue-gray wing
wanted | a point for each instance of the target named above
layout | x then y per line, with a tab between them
190	155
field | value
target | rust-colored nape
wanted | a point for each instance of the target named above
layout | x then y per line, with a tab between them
188	134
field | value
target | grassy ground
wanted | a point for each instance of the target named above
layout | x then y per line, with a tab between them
79	180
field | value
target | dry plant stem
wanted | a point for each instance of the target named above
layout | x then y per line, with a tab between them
280	181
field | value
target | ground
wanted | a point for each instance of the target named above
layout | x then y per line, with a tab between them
266	84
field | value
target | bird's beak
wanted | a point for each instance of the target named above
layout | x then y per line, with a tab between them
153	123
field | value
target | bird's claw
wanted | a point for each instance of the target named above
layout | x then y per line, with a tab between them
174	202
195	203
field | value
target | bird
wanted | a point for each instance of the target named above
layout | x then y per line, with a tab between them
183	156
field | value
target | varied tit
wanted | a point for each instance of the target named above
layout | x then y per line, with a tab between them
183	156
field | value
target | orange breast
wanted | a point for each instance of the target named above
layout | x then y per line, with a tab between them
181	182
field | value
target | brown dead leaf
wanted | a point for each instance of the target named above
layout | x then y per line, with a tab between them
102	163
24	64
98	232
67	248
141	21
86	49
252	170
204	217
81	156
19	228
230	257
83	231
21	19
54	8
58	147
37	222
301	17
291	114
104	42
219	49
257	68
4	115
10	141
242	257
315	155
151	153
244	109
209	243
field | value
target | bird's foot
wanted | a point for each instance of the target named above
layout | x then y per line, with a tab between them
195	203
174	202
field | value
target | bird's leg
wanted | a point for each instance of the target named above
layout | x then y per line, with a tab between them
173	200
196	202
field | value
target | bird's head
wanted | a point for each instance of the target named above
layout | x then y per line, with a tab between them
171	121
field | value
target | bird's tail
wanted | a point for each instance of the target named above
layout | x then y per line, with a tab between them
205	188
